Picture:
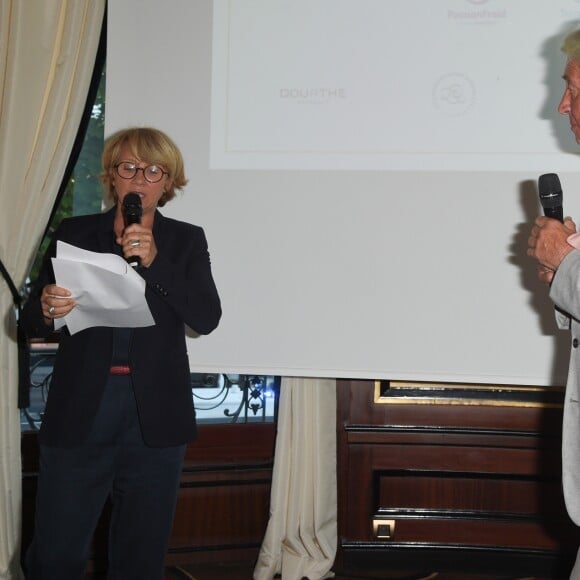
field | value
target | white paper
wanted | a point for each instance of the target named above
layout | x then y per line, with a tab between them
107	290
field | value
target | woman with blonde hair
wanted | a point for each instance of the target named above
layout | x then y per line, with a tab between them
119	411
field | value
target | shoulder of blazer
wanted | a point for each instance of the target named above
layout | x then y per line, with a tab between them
166	226
101	221
91	232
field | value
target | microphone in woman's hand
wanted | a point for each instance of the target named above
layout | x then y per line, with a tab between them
132	212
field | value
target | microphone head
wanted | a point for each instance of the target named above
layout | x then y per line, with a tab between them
132	208
550	190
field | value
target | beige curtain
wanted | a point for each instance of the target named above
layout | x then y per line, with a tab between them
301	537
47	55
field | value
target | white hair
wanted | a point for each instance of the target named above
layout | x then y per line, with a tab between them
571	46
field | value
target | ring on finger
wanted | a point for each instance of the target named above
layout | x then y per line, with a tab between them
135	243
51	310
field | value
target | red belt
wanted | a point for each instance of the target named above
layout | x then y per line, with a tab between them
120	370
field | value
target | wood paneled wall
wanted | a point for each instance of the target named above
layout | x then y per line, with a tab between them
432	486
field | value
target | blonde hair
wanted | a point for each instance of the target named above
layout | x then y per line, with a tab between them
147	145
571	45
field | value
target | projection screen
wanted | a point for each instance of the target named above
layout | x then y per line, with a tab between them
366	174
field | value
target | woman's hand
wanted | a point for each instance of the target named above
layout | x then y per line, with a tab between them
55	302
137	240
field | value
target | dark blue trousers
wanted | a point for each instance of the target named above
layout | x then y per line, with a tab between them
74	484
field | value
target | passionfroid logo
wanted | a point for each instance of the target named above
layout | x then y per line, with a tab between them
477	11
453	94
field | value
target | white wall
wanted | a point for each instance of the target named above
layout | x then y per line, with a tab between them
366	175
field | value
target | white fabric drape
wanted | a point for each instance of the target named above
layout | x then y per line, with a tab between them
301	537
47	56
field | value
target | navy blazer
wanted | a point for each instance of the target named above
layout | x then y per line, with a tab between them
179	291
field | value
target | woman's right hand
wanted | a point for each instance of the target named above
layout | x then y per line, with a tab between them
55	302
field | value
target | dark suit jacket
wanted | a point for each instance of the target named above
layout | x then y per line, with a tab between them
179	290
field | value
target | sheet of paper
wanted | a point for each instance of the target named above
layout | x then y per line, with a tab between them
107	290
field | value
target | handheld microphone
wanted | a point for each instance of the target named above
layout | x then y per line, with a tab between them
132	212
551	196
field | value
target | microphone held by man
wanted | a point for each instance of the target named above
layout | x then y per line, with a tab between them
551	196
549	239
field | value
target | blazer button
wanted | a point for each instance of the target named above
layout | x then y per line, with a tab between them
575	343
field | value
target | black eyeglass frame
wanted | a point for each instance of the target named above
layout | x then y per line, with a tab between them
143	169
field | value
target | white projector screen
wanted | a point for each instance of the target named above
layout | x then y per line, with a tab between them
365	172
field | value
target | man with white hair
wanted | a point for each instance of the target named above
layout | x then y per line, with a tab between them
556	247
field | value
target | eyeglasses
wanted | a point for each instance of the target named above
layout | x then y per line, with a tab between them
128	170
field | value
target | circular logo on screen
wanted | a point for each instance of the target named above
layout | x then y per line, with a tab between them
453	94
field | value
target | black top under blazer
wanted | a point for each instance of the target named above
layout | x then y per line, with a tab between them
180	291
